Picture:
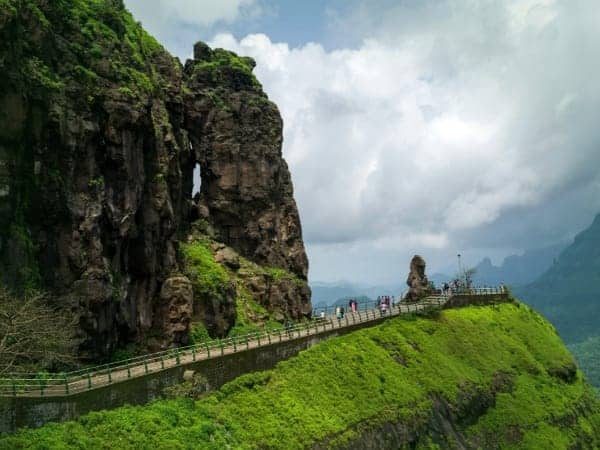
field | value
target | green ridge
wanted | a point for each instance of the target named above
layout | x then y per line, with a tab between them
345	386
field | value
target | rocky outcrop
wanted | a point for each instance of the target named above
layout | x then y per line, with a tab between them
417	280
230	289
236	136
101	131
175	310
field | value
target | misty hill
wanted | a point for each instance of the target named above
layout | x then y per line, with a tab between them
518	270
342	301
326	294
568	293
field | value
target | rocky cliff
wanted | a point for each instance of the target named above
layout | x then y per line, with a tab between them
100	132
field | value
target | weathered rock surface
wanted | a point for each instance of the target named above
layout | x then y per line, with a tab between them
100	132
175	309
417	280
230	289
236	134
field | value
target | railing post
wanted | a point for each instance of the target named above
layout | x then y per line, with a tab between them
221	346
110	375
89	379
145	366
41	388
269	337
193	353
162	362
177	357
66	384
247	343
234	344
128	371
279	332
258	337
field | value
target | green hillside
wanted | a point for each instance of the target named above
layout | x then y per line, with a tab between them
480	377
569	292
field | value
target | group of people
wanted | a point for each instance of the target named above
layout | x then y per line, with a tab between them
455	285
384	303
340	310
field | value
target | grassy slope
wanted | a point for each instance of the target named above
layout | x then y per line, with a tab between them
343	384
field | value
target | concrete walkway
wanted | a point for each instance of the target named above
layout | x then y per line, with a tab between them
80	381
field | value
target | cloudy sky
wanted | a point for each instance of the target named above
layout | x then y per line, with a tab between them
419	126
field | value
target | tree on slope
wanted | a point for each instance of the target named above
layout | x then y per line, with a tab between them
33	335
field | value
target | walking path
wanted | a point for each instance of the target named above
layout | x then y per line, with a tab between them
75	382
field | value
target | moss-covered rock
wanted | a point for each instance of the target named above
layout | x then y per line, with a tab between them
234	295
475	377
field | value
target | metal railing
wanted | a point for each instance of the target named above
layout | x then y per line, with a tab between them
42	384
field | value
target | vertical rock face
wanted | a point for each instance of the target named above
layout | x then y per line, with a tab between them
100	129
417	280
175	308
236	134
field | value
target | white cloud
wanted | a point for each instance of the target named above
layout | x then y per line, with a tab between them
441	128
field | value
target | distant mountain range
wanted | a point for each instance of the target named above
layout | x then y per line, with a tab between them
516	270
326	294
568	293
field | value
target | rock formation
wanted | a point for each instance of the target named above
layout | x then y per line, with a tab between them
417	280
100	132
236	136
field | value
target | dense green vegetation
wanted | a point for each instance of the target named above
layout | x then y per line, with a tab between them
107	47
211	278
222	66
208	277
345	386
587	354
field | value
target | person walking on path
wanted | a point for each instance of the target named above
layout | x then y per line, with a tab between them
352	305
339	312
382	307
